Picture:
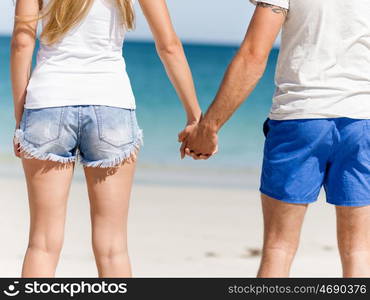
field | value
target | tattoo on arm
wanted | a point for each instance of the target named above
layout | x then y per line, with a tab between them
274	8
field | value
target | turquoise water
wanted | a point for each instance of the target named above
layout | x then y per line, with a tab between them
160	112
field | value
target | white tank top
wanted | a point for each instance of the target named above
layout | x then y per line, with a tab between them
86	67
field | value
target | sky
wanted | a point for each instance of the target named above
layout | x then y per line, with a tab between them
196	21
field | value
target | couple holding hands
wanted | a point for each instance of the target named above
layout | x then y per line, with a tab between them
77	104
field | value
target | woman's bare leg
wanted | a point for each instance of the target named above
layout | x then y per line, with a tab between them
282	227
48	185
109	193
353	228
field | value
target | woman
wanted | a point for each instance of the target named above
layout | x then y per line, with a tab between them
78	104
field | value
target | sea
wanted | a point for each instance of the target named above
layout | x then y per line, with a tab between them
161	116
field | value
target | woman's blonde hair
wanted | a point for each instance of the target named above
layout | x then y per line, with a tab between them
62	15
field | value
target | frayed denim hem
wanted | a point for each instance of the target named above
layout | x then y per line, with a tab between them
127	155
29	151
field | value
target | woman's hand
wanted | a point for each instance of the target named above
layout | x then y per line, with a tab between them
16	146
199	142
190	126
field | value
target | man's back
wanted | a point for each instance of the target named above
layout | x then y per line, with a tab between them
324	64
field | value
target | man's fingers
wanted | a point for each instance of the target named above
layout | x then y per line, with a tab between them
201	156
187	151
204	156
215	151
190	153
194	156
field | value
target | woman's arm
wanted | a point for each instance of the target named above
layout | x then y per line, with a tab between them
22	47
172	55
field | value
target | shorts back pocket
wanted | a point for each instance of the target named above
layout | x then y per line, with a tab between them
115	125
42	126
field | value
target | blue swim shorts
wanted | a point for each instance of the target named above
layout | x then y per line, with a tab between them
301	156
98	135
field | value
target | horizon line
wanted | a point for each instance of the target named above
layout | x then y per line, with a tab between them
190	42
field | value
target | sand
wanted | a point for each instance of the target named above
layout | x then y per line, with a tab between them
174	231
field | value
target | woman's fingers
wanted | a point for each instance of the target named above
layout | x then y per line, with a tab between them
182	150
205	156
17	149
182	135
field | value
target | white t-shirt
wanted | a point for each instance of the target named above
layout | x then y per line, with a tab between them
323	69
86	67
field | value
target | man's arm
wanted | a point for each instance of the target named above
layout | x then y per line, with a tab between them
240	79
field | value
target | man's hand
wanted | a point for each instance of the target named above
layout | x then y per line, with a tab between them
200	142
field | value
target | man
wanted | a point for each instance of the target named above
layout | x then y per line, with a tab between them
318	131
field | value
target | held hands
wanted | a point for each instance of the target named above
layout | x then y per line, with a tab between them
198	141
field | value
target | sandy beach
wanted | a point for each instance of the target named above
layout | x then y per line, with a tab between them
174	231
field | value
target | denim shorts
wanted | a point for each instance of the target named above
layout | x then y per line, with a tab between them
301	156
96	135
